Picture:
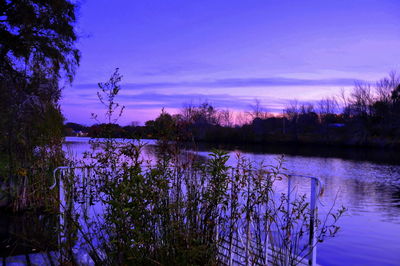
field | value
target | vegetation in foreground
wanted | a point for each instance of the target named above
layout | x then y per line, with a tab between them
179	211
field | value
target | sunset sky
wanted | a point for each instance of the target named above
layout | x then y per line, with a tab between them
229	52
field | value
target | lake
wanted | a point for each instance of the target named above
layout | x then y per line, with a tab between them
366	182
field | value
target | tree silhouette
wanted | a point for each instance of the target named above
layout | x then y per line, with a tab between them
38	35
37	50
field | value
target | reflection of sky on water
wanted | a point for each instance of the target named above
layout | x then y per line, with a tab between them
370	191
371	227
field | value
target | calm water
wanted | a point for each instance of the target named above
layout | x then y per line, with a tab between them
370	232
366	182
369	188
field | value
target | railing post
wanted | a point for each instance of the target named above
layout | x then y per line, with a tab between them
287	253
266	244
313	241
62	236
231	227
248	220
267	231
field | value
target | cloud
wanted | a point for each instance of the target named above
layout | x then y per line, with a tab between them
179	100
151	100
153	96
234	82
182	68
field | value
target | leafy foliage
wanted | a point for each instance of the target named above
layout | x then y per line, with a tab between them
38	35
36	50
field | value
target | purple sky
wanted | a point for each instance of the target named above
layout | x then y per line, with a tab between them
229	52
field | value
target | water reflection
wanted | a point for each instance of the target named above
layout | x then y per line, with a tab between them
368	188
366	182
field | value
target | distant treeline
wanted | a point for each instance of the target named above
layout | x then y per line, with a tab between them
368	116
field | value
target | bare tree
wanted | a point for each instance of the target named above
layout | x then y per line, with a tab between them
292	110
225	118
257	110
241	119
187	112
361	99
385	86
307	108
328	105
342	101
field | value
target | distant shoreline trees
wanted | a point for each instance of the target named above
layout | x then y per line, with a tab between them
368	116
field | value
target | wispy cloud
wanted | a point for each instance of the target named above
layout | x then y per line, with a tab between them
151	100
153	96
234	82
179	69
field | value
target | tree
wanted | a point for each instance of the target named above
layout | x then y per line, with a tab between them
292	113
327	107
361	100
204	114
396	95
257	110
165	126
38	34
386	86
308	119
37	49
225	118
